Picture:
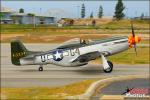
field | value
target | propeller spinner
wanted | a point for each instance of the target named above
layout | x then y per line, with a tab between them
132	40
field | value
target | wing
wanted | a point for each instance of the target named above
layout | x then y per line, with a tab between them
86	57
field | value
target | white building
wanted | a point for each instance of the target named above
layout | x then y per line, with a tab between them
9	16
6	15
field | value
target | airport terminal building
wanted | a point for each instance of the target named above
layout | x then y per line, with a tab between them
9	16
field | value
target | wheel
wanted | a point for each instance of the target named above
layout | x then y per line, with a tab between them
40	68
108	70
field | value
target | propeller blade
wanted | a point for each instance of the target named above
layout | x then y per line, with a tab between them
135	48
133	34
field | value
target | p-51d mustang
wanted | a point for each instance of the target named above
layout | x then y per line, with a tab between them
75	52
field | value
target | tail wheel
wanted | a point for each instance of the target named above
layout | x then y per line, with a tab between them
40	68
108	70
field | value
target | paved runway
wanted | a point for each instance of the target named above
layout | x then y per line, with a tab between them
120	87
28	76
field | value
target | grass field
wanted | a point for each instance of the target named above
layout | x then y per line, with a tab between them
46	92
107	25
101	23
54	34
59	38
129	57
138	24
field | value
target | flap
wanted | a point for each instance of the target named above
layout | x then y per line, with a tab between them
87	57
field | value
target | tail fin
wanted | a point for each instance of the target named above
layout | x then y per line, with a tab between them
18	51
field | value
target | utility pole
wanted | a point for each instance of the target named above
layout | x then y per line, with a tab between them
34	23
126	12
78	11
40	10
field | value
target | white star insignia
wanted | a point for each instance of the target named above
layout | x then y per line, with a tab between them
57	55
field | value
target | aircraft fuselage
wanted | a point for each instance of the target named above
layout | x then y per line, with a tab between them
66	57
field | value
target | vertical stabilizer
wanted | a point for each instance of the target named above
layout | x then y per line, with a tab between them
18	51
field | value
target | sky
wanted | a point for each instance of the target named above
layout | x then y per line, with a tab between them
132	8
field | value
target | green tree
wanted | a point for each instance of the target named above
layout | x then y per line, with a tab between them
83	11
100	12
119	10
21	10
31	14
142	16
1	15
91	16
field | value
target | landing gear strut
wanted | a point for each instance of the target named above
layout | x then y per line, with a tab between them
107	65
41	68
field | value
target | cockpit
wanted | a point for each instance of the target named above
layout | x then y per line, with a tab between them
75	42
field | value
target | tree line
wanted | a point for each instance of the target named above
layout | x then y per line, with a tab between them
118	11
118	14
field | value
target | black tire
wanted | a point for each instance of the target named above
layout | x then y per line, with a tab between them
110	67
40	68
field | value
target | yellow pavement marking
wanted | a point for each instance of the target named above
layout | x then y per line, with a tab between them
112	97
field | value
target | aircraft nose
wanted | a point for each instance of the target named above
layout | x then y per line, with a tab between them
132	40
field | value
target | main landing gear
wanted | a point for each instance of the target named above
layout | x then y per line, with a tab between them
107	65
108	70
41	68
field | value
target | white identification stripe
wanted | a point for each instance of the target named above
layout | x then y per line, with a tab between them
65	53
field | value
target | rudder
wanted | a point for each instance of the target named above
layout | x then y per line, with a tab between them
18	51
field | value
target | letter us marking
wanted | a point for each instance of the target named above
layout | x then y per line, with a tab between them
43	58
46	57
74	51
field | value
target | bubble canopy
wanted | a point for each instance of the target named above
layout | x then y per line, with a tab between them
74	42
